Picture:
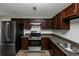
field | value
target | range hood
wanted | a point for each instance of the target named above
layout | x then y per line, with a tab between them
36	24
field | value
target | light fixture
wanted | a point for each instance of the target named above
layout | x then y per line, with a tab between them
34	8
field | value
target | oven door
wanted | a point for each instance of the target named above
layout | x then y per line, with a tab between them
34	42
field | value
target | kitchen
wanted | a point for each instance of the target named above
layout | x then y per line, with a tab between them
47	29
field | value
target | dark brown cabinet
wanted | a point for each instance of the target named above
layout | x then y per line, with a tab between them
44	43
46	24
50	24
59	23
27	24
71	11
54	22
51	47
24	43
58	52
54	49
61	20
43	24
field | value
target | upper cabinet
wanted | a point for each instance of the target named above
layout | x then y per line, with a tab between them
54	22
27	24
71	11
59	23
46	24
61	20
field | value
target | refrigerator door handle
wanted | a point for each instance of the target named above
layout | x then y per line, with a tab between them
7	32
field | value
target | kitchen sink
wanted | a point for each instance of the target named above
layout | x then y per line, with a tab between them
68	47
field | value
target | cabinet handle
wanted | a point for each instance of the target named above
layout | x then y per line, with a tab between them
74	11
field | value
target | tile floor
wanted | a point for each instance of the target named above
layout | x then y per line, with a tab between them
28	53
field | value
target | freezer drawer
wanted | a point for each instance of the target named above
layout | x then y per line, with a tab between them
8	50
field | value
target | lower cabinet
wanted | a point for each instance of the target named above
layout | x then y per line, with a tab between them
51	47
58	51
55	50
24	43
44	43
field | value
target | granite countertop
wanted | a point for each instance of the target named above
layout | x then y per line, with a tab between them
66	52
54	41
24	36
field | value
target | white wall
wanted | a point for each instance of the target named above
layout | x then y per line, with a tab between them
73	33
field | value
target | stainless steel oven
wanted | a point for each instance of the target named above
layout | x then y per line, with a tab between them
35	37
34	42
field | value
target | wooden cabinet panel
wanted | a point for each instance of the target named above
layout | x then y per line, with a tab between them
27	24
51	47
46	24
71	11
54	23
78	8
24	43
50	24
55	50
58	51
44	43
59	23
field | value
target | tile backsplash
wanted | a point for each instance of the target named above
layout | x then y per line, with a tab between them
45	31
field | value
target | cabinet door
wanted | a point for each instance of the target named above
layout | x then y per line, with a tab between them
50	24
78	8
61	24
58	51
55	50
54	22
59	21
70	11
24	43
43	24
44	43
27	24
51	48
46	24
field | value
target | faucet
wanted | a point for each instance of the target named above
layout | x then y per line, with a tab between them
69	45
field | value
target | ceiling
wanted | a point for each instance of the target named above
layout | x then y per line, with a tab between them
26	9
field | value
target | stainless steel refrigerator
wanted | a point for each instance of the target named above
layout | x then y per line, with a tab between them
8	36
